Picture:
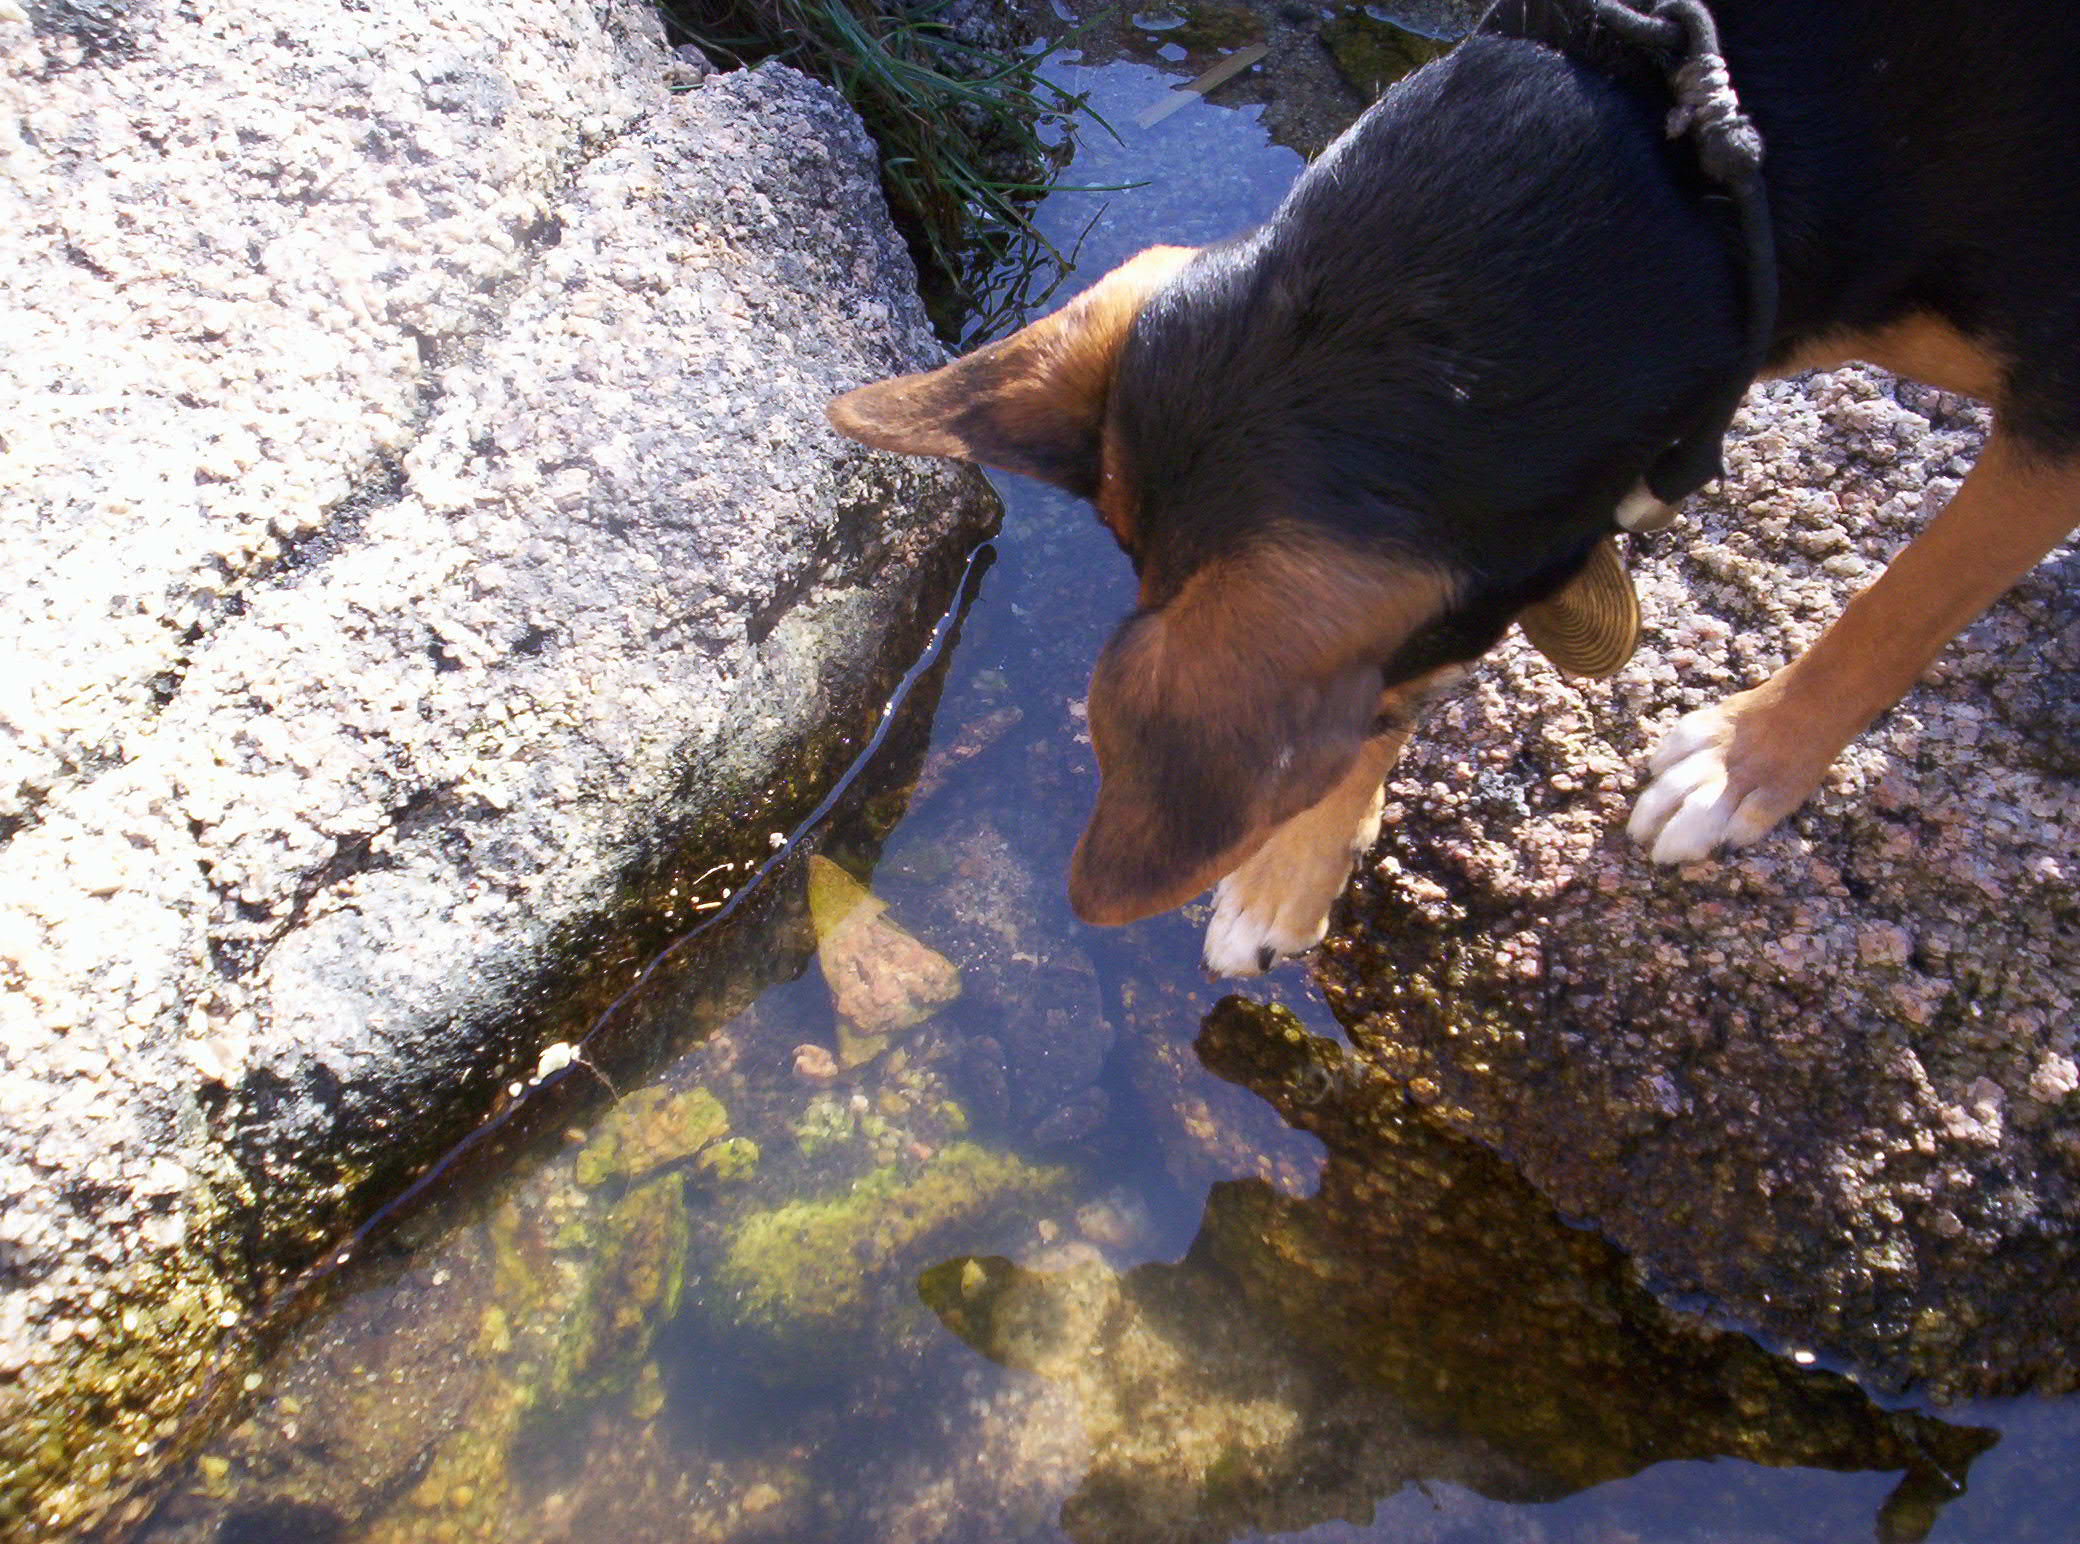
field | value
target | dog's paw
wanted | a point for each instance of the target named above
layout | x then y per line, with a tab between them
1277	904
1723	776
1254	926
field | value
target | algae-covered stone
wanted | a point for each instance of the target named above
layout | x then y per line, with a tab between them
823	1125
734	1159
1372	52
634	1288
648	1400
1221	24
804	1270
649	1129
882	979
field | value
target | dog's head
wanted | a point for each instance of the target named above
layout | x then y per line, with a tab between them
1284	584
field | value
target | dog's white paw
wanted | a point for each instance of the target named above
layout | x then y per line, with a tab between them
1277	904
1253	930
1700	798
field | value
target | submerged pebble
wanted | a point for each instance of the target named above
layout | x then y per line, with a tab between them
882	978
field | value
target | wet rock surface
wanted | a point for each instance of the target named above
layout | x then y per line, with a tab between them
420	532
1828	1080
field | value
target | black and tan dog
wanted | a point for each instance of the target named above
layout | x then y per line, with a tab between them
1346	449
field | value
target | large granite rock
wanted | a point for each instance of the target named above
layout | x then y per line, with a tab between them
421	540
1828	1081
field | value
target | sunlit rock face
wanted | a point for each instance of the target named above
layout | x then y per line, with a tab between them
1830	1078
416	523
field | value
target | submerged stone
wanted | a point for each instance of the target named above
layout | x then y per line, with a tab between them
881	977
649	1129
633	1289
733	1159
804	1272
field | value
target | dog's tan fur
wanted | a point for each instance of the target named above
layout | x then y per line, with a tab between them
1031	403
1277	902
1922	348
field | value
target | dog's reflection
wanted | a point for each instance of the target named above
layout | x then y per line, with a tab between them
1424	1316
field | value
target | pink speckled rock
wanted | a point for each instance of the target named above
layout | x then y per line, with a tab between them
1824	1080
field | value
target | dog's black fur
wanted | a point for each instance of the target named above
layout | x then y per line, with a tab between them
1351	446
1921	158
1476	319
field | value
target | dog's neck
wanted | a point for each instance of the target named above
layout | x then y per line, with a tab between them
1679	39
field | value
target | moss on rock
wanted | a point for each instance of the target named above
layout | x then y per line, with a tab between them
632	1291
1372	53
734	1159
802	1270
649	1129
1220	24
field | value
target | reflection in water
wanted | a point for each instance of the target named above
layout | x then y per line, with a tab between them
1424	1316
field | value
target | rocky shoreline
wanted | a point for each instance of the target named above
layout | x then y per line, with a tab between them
435	588
427	557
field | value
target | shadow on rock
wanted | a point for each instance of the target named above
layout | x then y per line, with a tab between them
1425	1316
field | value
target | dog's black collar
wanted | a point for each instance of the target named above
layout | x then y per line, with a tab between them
1729	149
1685	43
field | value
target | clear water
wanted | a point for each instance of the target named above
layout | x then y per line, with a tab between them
1027	1268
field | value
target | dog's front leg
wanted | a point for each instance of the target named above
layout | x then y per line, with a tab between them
1276	905
1729	772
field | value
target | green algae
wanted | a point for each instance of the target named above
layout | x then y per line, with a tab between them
574	1308
633	1288
727	1161
646	1131
1218	24
568	1309
1372	53
647	1400
132	1371
801	1270
824	1124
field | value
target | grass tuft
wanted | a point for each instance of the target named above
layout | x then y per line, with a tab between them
970	136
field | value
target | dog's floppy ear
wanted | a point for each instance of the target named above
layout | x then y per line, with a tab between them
1032	403
1226	712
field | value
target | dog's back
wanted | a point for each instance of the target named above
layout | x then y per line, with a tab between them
1976	109
1922	159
